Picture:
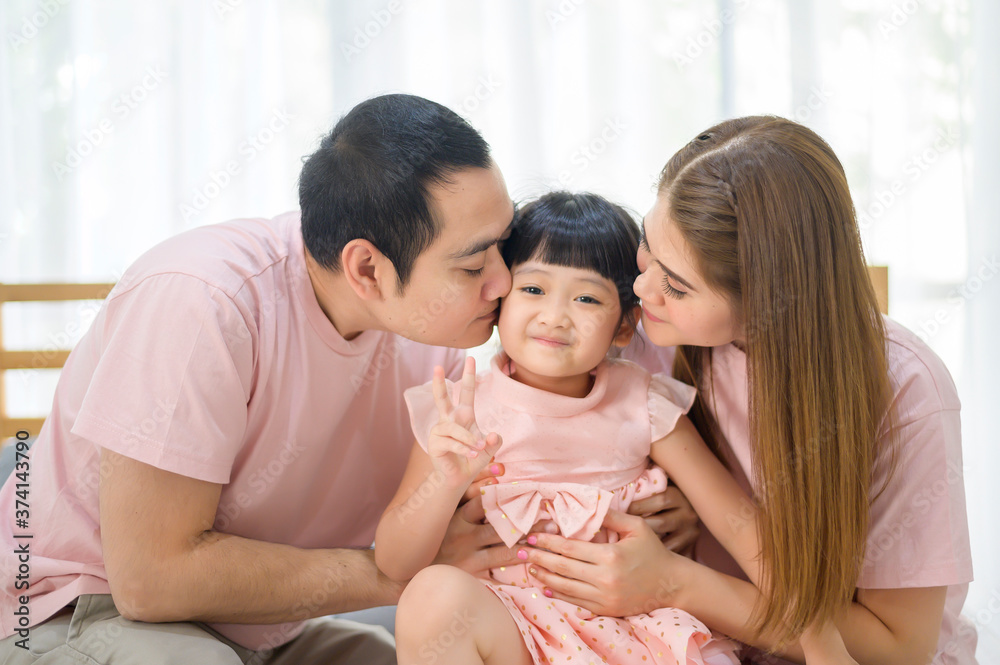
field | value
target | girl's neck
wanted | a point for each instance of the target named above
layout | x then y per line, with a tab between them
578	385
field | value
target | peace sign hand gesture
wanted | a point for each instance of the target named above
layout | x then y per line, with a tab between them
458	450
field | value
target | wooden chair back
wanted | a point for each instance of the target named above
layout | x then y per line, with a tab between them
48	358
880	280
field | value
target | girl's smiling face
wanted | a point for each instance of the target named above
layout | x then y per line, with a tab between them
557	325
678	307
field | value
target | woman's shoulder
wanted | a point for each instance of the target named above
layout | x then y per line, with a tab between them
625	367
921	381
642	351
623	370
657	384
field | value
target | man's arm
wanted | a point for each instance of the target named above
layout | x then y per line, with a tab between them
164	562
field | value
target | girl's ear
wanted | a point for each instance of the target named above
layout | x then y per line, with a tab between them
627	329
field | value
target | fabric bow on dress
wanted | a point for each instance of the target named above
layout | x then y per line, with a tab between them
513	508
578	510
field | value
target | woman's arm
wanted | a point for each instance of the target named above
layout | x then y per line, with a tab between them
825	646
720	502
730	514
637	574
884	626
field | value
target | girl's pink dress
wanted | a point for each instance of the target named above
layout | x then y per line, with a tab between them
570	460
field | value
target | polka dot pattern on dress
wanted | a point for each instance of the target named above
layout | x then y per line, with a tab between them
664	637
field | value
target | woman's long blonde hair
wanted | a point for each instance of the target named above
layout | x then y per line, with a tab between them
763	204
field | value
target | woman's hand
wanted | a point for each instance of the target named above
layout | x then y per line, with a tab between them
635	575
458	450
671	517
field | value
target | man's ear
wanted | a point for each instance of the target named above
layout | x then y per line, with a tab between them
367	270
627	329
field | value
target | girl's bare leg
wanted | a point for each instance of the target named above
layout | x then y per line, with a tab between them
447	616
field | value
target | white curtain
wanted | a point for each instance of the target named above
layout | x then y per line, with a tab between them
123	123
979	384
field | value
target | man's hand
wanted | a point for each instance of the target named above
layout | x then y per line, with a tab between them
672	518
470	544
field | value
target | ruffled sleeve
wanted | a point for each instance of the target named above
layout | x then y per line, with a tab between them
669	399
423	411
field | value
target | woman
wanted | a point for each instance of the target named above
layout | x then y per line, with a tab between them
846	425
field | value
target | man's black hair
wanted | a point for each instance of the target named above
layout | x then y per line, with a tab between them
371	176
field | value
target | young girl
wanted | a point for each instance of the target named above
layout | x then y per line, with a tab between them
577	429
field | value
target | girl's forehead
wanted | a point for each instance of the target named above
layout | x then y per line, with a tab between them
537	268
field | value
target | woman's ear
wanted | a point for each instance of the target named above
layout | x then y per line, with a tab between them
627	329
367	270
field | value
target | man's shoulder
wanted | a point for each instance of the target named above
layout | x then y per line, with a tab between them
224	255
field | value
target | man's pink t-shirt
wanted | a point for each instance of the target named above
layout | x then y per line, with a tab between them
919	532
212	359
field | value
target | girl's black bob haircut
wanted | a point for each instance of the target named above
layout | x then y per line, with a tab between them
579	231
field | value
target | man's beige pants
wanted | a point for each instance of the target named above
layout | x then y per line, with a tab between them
94	633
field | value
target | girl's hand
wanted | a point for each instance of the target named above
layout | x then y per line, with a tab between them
635	575
458	450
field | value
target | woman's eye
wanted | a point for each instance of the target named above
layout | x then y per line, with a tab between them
474	273
671	291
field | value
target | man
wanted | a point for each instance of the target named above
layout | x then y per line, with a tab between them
225	437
